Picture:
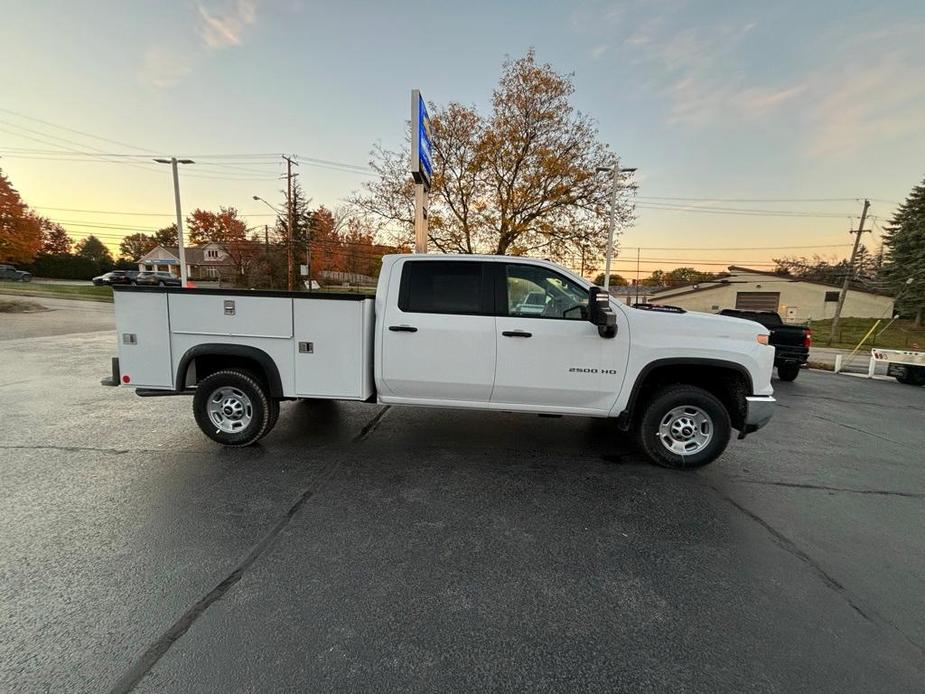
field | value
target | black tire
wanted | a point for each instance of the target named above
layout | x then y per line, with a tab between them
673	398
255	406
160	284
788	372
912	377
27	278
274	417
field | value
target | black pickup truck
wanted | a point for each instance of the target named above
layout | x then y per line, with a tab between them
791	342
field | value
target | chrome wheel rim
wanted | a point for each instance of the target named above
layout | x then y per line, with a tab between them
230	410
685	430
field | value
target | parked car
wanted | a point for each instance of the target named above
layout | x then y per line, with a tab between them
157	279
116	277
442	331
791	342
8	272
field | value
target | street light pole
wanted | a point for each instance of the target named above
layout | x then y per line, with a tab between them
173	161
614	171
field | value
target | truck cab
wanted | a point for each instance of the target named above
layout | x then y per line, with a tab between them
473	332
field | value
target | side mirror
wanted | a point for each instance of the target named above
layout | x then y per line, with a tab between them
600	314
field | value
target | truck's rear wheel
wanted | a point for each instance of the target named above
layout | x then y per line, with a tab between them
684	427
274	417
232	407
912	377
788	372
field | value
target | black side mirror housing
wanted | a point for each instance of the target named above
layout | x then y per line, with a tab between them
600	313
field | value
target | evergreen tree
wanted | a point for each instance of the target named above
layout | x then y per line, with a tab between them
301	216
95	251
904	261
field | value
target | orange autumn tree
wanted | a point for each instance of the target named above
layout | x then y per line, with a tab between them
20	229
346	244
520	179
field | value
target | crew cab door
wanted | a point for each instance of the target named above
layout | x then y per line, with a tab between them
551	357
438	333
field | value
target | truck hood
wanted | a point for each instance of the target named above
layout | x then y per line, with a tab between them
697	324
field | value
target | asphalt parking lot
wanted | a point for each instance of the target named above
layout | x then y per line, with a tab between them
368	548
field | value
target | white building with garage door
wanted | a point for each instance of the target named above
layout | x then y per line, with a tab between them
794	299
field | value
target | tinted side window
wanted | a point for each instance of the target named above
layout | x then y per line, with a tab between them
436	286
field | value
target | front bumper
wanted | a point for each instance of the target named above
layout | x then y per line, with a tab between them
758	411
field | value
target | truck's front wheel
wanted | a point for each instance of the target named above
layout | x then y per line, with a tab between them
684	427
232	407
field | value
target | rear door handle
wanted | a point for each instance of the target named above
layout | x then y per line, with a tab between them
516	333
403	329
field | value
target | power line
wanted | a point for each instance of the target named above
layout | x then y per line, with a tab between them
746	212
135	214
712	199
99	158
74	130
644	248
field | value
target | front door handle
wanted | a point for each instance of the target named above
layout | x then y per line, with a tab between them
403	329
516	333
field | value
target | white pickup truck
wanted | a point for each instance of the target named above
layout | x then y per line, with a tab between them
476	332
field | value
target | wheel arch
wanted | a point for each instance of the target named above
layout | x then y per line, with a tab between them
727	380
211	357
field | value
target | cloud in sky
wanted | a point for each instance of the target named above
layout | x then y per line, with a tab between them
224	26
163	67
862	104
220	26
850	88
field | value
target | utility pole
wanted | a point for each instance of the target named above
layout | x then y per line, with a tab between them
266	253
836	319
173	161
637	274
308	253
290	217
614	188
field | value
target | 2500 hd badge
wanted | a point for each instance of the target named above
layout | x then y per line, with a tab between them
579	370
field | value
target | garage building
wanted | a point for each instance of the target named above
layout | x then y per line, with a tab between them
794	299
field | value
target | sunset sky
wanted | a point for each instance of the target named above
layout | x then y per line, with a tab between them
731	111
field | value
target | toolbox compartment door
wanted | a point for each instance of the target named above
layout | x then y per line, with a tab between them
331	348
143	335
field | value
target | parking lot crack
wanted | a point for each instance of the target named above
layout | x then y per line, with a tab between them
149	658
849	401
371	425
822	487
789	546
853	428
67	449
